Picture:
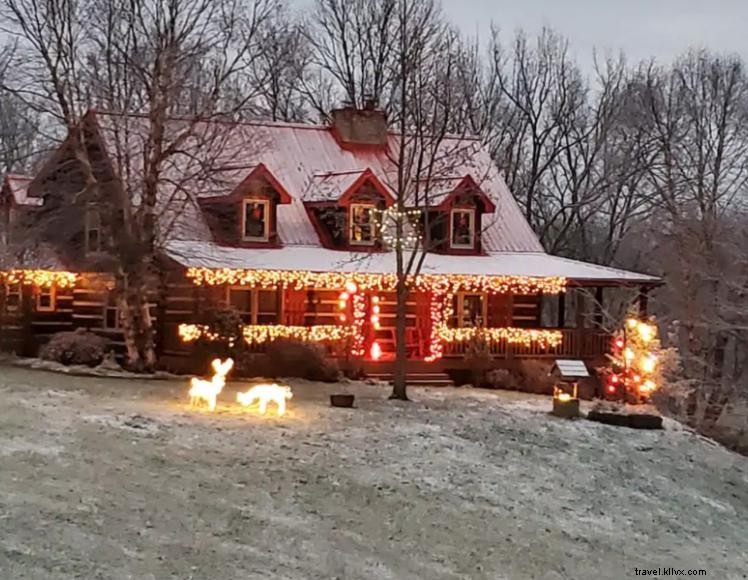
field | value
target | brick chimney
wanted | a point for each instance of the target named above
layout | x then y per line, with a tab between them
365	127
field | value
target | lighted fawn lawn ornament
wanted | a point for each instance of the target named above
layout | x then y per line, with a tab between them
266	393
207	391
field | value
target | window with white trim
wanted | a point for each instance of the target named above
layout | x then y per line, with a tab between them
256	220
363	226
254	305
92	234
46	299
13	294
462	229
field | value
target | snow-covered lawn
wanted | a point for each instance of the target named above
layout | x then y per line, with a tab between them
119	479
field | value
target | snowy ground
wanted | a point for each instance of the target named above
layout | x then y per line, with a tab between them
118	479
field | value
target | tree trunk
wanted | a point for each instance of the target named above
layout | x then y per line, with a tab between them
399	388
136	321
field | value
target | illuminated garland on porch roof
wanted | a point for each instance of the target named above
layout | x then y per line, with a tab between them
39	278
439	283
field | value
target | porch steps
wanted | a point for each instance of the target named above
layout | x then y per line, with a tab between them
413	379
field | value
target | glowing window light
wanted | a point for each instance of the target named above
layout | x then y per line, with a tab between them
376	351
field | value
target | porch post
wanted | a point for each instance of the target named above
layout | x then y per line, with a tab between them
599	306
643	301
562	309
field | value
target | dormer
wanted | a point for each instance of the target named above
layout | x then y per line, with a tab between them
456	214
14	203
345	208
248	216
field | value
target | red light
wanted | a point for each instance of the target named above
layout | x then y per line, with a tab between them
619	343
376	351
614	379
611	389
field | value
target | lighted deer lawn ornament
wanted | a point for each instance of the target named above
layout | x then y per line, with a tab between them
265	393
202	390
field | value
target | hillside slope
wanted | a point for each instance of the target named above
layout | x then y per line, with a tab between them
117	479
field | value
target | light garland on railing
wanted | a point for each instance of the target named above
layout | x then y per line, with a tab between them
39	278
438	283
523	336
261	333
192	332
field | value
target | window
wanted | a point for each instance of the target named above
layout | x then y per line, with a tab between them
13	297
267	307
462	229
240	299
469	310
256	220
255	305
45	299
111	318
92	230
5	225
363	225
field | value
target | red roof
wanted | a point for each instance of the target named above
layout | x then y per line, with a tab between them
18	185
297	155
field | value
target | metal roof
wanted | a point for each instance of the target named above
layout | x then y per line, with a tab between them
18	186
297	155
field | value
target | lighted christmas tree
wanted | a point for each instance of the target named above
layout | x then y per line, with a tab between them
634	372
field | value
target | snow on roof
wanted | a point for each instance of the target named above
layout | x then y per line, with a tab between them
35	257
18	186
330	186
297	155
315	259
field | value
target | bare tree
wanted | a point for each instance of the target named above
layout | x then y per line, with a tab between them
544	91
158	59
355	45
698	115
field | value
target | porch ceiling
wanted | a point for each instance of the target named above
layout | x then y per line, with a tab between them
315	259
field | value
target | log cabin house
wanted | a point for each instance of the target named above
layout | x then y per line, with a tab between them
288	231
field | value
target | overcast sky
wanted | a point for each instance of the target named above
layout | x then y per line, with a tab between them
642	28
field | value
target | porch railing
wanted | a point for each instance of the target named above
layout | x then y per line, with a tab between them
577	343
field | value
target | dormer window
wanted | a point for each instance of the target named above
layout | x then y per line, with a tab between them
363	226
92	226
462	229
256	220
345	208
